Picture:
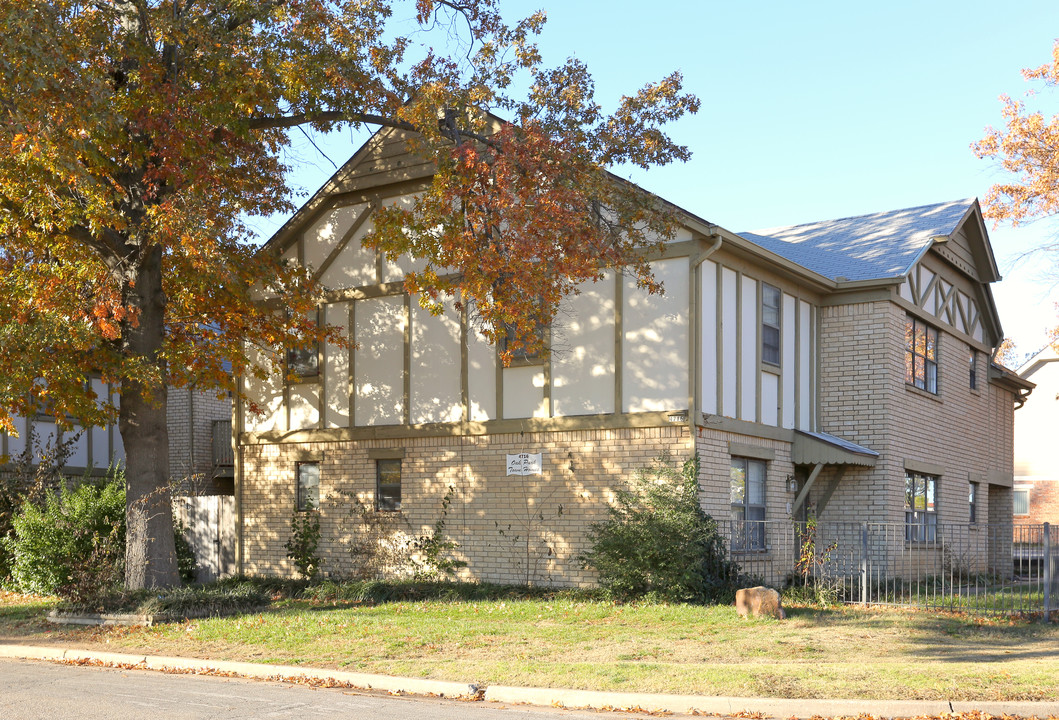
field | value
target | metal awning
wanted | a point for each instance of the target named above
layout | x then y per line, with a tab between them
815	448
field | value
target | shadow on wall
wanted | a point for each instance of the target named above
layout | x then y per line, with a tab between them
460	513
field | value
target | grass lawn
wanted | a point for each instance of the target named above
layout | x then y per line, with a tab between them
820	653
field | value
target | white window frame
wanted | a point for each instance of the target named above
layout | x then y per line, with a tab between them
748	509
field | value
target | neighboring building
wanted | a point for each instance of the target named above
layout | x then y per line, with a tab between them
839	368
200	461
200	442
1036	491
90	450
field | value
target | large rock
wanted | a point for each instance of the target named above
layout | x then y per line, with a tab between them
759	601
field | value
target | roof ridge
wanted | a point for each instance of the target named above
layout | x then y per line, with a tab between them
759	231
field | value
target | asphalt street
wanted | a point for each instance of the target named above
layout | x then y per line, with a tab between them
32	690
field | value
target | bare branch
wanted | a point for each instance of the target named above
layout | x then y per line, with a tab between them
289	121
334	116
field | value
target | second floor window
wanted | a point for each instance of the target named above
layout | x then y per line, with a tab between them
770	324
303	361
921	355
521	354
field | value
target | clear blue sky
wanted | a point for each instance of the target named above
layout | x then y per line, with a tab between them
816	110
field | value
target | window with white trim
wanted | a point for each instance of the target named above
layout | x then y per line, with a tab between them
770	324
921	507
747	489
1020	502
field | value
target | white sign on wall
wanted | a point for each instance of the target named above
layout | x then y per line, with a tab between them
524	464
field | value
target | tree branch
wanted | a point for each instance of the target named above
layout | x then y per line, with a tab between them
107	248
288	121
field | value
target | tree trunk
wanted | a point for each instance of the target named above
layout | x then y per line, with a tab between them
150	554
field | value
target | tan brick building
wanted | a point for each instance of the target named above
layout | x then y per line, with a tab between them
840	369
200	442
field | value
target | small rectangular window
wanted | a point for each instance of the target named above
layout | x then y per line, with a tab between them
1021	501
921	508
973	359
747	488
388	485
972	501
770	324
304	361
308	485
526	350
921	355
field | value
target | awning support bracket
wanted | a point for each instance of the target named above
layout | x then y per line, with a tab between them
805	488
825	497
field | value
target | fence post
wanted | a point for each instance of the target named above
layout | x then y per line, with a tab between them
1047	559
864	563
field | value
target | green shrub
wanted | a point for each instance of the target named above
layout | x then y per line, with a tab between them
27	476
372	592
73	542
304	542
657	542
205	600
186	562
434	548
219	598
10	500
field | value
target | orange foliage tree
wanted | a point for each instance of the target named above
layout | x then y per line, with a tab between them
1028	147
136	137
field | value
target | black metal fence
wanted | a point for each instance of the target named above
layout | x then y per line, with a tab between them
978	568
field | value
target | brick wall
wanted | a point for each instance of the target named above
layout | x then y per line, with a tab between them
858	351
966	434
509	528
190	415
1044	501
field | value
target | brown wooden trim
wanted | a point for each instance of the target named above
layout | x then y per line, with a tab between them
491	427
365	214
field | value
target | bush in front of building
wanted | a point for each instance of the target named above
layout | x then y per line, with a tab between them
70	541
303	545
26	477
73	538
657	542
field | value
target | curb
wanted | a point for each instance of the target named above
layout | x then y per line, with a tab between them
548	697
768	707
366	681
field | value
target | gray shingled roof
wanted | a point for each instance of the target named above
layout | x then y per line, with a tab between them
867	247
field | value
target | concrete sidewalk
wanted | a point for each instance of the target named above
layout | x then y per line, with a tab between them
549	697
